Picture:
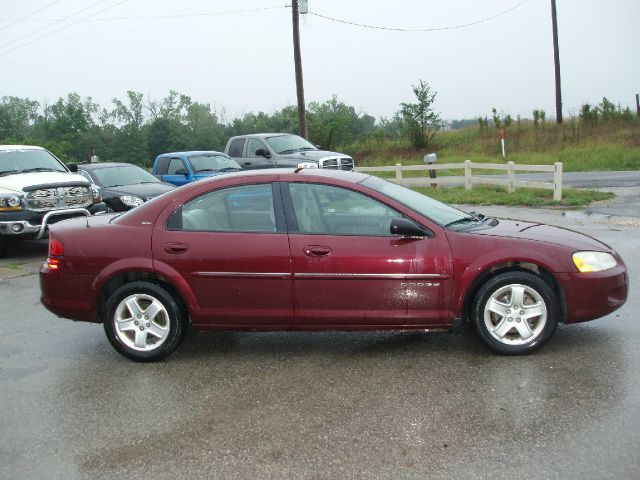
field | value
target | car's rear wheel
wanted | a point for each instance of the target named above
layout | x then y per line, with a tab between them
515	313
4	246
143	321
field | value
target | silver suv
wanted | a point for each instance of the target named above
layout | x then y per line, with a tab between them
37	189
282	150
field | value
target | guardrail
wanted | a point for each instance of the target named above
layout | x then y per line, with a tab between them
469	179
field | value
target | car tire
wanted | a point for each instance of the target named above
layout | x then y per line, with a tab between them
515	313
4	246
143	321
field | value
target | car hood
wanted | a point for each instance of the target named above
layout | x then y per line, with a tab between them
19	181
143	190
540	232
313	155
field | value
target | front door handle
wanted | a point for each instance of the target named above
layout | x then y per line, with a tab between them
176	247
247	163
317	251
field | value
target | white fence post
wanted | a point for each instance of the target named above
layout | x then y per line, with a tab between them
467	174
511	177
557	182
398	171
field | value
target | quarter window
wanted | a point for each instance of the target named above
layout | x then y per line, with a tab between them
323	209
247	208
236	147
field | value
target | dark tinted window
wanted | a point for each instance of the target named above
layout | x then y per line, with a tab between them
247	208
161	166
235	149
323	209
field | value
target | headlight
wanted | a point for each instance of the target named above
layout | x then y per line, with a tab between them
95	193
131	201
10	202
593	261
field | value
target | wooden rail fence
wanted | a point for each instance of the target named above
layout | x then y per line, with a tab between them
511	182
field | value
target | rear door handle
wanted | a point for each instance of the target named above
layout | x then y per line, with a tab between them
176	247
317	251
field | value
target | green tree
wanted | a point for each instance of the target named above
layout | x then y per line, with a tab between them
420	121
17	115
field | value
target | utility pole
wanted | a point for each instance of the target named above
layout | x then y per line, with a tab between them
638	104
556	60
302	118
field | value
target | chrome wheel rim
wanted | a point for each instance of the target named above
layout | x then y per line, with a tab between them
141	322
515	315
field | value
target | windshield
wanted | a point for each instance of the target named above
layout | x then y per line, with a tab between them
289	144
212	163
19	161
122	175
439	212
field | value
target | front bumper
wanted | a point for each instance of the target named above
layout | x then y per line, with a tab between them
36	226
594	295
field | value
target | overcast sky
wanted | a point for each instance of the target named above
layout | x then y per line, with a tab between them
238	55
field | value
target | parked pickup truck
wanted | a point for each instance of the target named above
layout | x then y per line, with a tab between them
36	190
180	168
282	150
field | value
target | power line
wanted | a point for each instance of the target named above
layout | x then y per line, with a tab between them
434	29
42	36
160	17
30	15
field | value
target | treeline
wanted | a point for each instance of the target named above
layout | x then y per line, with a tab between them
135	129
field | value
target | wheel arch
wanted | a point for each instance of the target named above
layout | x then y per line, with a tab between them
122	278
513	266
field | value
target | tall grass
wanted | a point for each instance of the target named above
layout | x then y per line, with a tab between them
581	146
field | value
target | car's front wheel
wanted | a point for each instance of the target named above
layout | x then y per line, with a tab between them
515	313
143	321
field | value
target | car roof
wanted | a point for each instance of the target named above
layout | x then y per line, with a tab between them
264	135
290	174
20	147
96	166
192	152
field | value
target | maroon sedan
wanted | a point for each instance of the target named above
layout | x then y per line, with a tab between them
321	250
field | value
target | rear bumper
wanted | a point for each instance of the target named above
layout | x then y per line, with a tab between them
68	296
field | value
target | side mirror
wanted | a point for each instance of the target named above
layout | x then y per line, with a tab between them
261	152
406	228
73	167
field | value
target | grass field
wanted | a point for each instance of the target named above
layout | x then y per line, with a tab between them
608	146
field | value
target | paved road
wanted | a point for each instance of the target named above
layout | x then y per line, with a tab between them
323	405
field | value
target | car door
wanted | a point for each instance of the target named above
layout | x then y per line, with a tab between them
253	161
350	272
230	246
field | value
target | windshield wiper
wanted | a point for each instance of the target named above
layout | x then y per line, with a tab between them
307	148
462	220
229	169
291	150
8	172
39	169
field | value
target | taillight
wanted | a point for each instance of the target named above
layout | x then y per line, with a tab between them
56	250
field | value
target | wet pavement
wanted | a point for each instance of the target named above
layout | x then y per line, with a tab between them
321	405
